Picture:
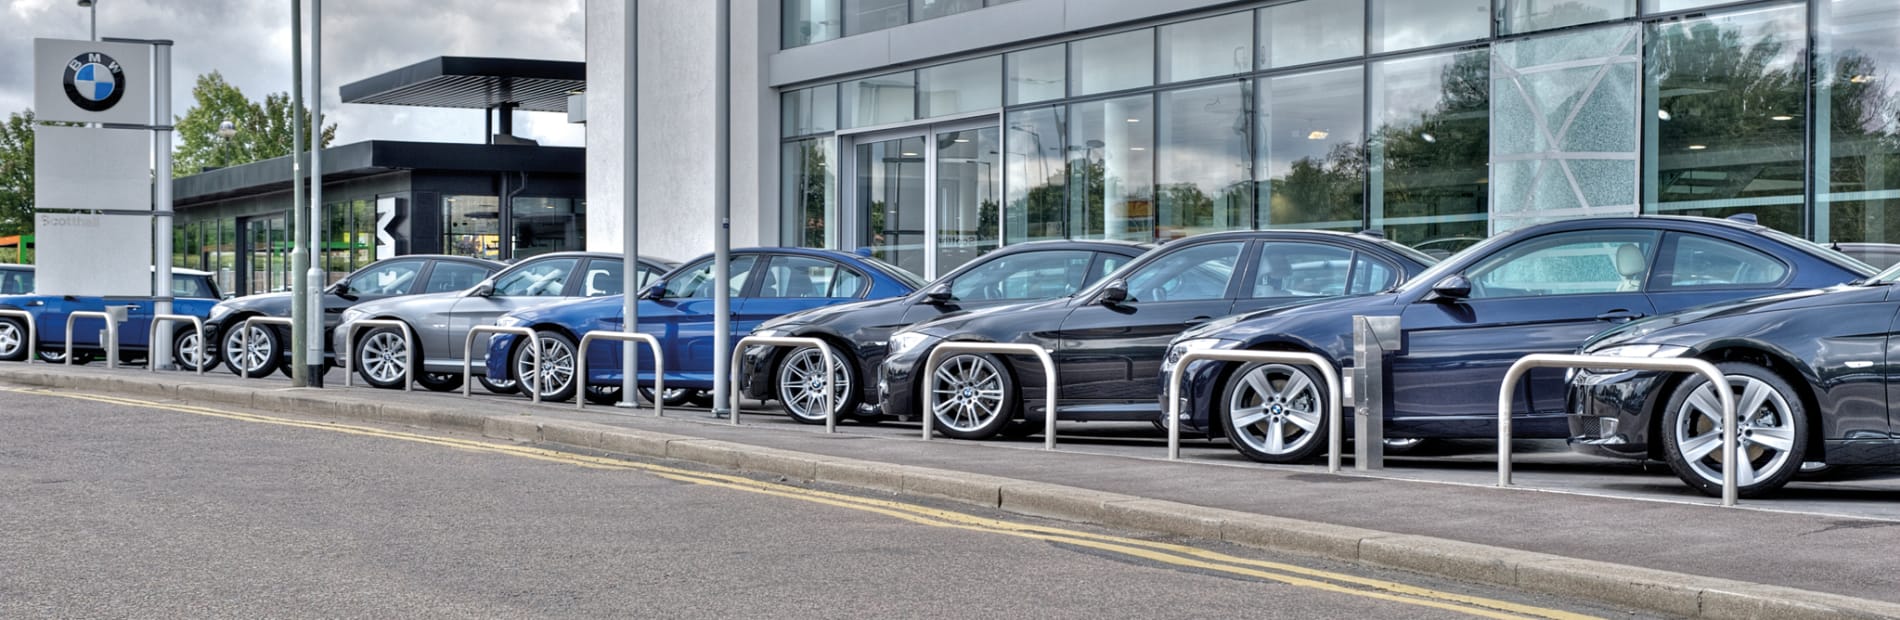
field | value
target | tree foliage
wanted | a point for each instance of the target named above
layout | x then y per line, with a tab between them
263	128
16	174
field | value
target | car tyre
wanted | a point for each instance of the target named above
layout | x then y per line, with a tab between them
509	386
556	380
380	357
600	395
187	352
58	356
263	357
1772	431
699	398
976	396
675	397
801	383
1275	413
439	381
12	340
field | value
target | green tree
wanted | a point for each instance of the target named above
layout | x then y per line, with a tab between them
263	128
16	174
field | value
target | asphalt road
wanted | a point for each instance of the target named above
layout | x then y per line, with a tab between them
118	510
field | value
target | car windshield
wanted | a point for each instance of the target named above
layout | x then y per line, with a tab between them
1439	270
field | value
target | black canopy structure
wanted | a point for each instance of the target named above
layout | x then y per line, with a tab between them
497	84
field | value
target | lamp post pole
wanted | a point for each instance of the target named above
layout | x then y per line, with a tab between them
312	300
299	257
722	215
630	213
92	7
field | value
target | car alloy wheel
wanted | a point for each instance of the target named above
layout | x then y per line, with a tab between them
802	385
1275	413
556	379
382	356
1771	431
187	352
257	359
975	397
12	340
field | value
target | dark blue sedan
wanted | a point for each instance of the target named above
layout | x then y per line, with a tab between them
678	310
193	293
1541	289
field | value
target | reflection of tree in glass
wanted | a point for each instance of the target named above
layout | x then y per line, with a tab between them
812	194
1435	163
1863	148
1331	189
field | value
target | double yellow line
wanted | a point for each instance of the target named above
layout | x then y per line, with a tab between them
1162	553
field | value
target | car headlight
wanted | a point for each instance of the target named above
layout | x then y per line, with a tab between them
509	320
772	332
905	341
1642	350
353	314
1183	347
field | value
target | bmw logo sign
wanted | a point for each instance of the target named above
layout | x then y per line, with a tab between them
94	81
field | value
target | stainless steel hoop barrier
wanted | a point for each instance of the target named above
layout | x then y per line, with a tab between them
197	324
32	332
1048	383
1335	415
112	336
349	342
832	367
244	337
659	367
534	348
1548	360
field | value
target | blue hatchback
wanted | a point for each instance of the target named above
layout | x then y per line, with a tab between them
678	310
1541	289
193	293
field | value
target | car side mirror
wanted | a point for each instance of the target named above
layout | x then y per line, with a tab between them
656	291
484	289
341	289
1452	288
1115	292
938	295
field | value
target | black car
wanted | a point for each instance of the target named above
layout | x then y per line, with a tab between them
390	277
1812	374
1108	340
858	331
1539	289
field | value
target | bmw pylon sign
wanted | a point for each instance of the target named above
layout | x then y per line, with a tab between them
92	82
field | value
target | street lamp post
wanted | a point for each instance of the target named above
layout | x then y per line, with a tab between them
226	129
94	9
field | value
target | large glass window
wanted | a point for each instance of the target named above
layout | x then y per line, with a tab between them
1430	146
1665	6
1312	158
891	192
1531	15
1201	48
927	9
1724	93
809	195
1036	74
808	111
884	99
472	226
1564	120
968	188
1205	171
1857	133
1311	31
545	225
1407	24
1111	169
803	22
959	87
861	16
1036	172
1114	62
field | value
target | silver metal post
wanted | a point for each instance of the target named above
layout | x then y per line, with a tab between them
722	212
299	375
93	8
832	367
161	352
630	215
1372	338
1049	381
1335	416
312	300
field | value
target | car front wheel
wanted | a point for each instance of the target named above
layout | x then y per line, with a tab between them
381	357
1771	431
802	384
1275	412
976	397
186	350
255	359
556	379
12	340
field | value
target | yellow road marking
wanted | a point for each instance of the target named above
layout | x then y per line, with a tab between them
1166	553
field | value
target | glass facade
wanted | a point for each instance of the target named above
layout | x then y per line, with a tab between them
804	22
1437	122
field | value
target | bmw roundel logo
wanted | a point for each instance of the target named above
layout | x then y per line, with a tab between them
94	81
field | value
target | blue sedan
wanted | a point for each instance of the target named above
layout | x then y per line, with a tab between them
1541	289
193	293
678	310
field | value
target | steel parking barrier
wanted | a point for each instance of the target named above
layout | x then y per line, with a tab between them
1335	415
659	367
32	333
112	334
534	348
244	339
408	346
1599	362
832	366
1048	382
197	325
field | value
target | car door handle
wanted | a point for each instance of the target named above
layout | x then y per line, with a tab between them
1619	315
1197	320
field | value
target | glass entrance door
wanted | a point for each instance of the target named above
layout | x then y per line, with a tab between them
268	238
929	200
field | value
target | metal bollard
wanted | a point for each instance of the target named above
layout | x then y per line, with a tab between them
112	335
659	367
534	348
1049	382
1334	411
831	370
408	343
204	348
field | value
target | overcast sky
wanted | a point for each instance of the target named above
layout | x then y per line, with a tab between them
249	42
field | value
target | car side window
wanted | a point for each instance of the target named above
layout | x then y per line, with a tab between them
1707	262
1573	263
647	274
1028	275
603	278
1196	272
391	278
16	282
1301	270
450	276
806	277
1110	263
191	287
697	281
1371	276
542	278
